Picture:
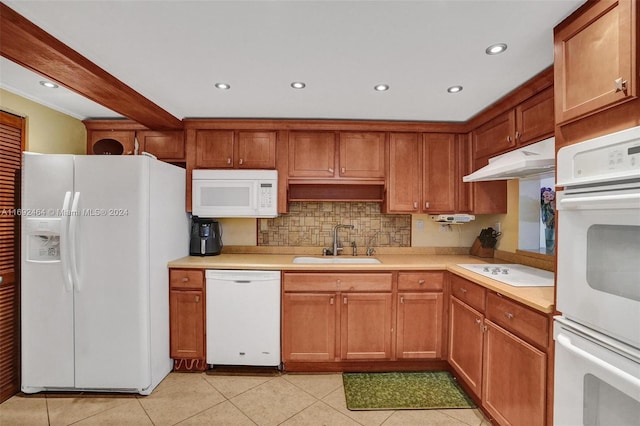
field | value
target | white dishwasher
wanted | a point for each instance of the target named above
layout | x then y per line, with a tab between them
243	317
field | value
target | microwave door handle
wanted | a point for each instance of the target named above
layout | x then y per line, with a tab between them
616	201
565	342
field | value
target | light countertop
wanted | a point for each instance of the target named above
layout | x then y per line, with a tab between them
539	298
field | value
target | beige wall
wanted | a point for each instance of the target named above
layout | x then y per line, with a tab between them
48	131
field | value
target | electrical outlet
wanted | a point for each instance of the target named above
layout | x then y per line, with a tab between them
497	227
420	225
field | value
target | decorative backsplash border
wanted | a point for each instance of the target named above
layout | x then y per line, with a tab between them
310	224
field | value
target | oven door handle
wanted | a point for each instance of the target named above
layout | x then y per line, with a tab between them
615	201
565	342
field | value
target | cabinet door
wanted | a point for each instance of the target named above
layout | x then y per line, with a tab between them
111	142
495	136
419	325
312	154
465	343
594	65
167	145
256	150
366	322
439	173
187	324
403	193
514	379
214	148
534	118
309	327
489	197
362	154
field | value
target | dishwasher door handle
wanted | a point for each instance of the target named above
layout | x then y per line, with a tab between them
242	281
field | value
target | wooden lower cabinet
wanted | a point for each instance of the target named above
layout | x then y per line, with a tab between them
331	317
187	318
419	326
309	327
365	326
504	363
514	378
465	343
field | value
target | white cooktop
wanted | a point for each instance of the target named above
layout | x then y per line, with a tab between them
512	274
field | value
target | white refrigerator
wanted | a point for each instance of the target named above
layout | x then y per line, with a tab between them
97	233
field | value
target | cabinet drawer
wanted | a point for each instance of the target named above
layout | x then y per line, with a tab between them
186	278
416	281
468	292
529	325
337	282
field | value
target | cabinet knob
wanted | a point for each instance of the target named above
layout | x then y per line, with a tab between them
402	299
331	301
197	299
241	161
344	300
185	280
330	170
509	139
621	85
415	205
342	170
338	283
229	160
478	321
464	290
508	315
426	204
420	282
517	135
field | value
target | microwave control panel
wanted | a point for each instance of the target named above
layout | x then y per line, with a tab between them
266	194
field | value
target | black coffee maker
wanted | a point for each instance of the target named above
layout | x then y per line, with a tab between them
205	237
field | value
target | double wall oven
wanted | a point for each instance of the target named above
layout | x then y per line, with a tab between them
597	361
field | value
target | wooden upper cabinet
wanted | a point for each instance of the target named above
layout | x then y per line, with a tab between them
495	136
403	194
439	173
362	154
111	142
595	65
534	118
166	145
256	150
312	154
229	149
214	148
464	166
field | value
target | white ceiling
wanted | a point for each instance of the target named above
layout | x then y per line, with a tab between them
172	52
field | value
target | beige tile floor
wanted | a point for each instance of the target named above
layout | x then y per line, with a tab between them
200	399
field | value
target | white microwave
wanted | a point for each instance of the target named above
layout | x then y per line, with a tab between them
234	193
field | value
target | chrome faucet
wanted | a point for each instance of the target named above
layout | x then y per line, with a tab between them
335	237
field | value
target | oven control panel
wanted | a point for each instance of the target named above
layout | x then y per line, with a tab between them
612	157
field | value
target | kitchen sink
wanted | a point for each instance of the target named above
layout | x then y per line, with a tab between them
331	259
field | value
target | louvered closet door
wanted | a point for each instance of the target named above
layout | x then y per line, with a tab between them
11	145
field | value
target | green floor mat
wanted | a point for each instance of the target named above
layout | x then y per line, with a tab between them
404	391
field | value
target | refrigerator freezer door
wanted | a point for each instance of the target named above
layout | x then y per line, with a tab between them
46	302
112	293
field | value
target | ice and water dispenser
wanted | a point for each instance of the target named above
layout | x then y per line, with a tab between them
43	239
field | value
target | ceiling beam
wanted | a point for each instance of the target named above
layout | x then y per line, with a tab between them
30	46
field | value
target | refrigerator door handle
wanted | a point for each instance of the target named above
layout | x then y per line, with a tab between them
73	229
64	242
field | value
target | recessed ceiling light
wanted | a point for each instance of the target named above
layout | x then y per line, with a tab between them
495	49
298	85
381	87
454	89
223	86
49	84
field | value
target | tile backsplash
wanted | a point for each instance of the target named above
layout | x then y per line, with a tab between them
311	224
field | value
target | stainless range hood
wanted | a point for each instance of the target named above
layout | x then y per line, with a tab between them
527	161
